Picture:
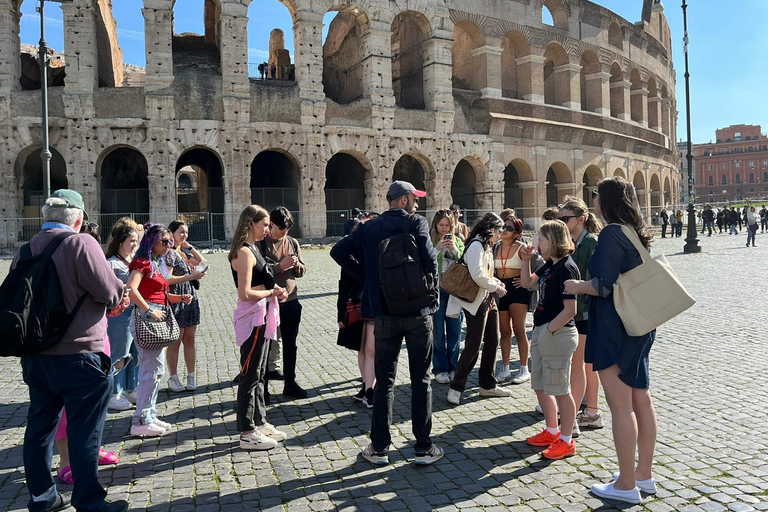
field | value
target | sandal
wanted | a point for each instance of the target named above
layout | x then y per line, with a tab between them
106	458
65	475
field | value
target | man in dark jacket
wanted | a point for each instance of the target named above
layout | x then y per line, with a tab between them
358	254
733	219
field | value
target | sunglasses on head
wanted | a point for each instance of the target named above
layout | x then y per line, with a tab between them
595	193
92	225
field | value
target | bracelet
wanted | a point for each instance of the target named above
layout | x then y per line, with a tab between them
148	312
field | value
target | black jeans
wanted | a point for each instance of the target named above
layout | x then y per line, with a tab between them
663	231
290	318
481	327
251	410
82	383
389	332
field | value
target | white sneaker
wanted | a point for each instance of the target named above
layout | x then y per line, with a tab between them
191	382
270	431
443	378
119	403
504	374
151	430
162	424
454	397
647	486
130	396
521	376
256	441
576	430
608	491
175	385
495	392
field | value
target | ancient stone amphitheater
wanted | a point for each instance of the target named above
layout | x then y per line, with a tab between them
480	102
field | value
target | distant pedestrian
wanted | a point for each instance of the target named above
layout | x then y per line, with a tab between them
708	217
664	219
752	225
733	219
354	217
680	216
273	71
461	229
763	219
261	70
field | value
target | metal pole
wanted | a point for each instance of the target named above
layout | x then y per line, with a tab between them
45	154
691	240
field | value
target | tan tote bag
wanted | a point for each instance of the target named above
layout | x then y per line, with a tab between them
649	294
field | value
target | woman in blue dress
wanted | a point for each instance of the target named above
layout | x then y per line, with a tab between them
620	359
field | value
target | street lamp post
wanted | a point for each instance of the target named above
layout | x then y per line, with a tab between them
691	240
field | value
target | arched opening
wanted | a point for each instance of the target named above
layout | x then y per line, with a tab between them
513	194
639	182
615	36
29	36
32	183
668	200
410	30
270	50
124	185
592	176
559	183
591	82
195	206
554	13
344	189
617	91
636	96
196	39
344	56
275	181
654	111
620	172
546	16
557	87
467	37
410	169
656	197
513	46
463	191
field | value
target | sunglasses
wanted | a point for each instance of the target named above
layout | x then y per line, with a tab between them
595	193
511	229
92	225
166	242
566	218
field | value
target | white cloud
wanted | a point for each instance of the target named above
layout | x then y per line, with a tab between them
35	18
258	54
135	35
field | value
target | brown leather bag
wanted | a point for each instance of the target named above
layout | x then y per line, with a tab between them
458	282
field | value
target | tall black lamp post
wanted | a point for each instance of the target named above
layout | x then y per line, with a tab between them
691	240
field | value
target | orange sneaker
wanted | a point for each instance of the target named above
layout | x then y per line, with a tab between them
560	450
543	438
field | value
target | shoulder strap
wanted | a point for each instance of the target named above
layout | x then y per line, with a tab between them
632	236
55	243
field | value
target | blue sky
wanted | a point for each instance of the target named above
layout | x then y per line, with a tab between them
728	62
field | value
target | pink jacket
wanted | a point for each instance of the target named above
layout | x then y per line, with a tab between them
249	314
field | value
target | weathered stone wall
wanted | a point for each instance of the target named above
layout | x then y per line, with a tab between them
214	106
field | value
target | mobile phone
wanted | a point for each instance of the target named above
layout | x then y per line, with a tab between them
447	236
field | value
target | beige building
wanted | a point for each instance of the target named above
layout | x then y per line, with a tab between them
488	108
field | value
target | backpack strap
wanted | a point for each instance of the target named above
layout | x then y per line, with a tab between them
55	243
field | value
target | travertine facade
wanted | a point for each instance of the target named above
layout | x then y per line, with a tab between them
489	108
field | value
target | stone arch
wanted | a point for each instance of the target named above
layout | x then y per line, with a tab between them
620	172
655	189
592	176
615	36
209	171
27	74
557	89
344	56
274	180
345	175
636	97
519	192
123	183
467	37
464	185
654	110
274	47
559	183
513	46
558	11
416	169
618	109
410	30
667	192
638	180
591	88
29	172
198	52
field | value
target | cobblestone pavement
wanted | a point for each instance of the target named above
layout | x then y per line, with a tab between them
708	368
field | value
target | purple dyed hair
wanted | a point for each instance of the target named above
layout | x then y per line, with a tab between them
153	233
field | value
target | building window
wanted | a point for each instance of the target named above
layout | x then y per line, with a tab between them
751	164
765	163
722	151
711	180
737	165
709	168
751	177
765	176
722	167
737	179
737	136
724	180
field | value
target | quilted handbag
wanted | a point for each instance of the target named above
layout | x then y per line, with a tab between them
152	335
649	294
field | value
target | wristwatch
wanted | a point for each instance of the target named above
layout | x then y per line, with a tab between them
148	312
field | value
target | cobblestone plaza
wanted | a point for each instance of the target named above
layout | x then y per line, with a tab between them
708	378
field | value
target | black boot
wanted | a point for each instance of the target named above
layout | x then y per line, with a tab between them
293	390
360	394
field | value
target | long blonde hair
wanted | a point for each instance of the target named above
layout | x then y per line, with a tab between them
252	213
440	215
591	223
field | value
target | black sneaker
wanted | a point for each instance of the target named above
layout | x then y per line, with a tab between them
434	454
116	506
368	399
294	390
60	504
275	375
360	394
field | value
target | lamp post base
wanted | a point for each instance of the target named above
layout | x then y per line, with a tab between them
691	238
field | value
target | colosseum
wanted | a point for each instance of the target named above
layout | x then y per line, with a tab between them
481	103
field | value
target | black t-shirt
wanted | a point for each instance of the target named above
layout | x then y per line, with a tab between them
552	280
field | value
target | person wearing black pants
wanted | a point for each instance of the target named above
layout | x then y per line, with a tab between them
481	327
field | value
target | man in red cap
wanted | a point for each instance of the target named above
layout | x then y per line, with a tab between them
359	255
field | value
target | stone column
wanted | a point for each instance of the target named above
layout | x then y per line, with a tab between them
599	92
438	89
530	77
665	118
158	39
377	73
233	46
80	48
620	96
639	103
312	188
528	211
488	72
567	85
10	61
654	113
308	44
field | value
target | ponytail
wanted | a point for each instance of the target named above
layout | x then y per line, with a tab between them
592	224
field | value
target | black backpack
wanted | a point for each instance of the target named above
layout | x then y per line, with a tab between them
33	317
405	286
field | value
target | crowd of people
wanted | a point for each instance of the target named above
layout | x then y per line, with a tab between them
732	220
392	265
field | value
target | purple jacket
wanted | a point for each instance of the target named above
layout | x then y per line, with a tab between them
82	269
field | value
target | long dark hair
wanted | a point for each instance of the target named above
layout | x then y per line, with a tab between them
618	205
153	233
120	234
486	228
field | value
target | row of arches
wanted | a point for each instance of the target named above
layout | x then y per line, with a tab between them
275	177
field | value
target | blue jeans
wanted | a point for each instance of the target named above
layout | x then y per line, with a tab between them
389	332
151	371
751	235
447	330
81	383
121	345
733	230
